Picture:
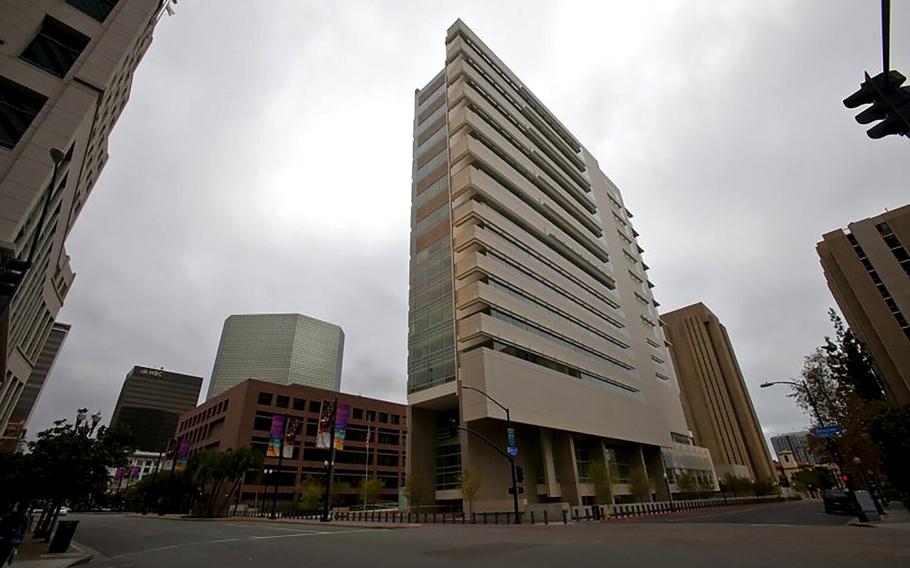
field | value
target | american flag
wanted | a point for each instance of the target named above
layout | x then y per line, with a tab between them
369	435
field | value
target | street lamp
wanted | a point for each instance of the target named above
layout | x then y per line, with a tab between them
511	458
832	446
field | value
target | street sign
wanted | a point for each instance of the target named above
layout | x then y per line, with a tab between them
512	451
510	437
827	431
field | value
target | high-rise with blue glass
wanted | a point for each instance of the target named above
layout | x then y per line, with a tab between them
527	283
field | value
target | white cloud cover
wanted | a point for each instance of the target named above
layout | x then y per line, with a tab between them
263	165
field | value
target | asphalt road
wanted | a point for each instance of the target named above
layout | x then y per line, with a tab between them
130	542
806	513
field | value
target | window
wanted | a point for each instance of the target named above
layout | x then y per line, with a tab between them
18	107
265	398
97	9
282	401
314	406
262	422
299	404
357	414
383	417
55	48
396	419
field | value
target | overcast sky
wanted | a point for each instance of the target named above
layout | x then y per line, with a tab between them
263	164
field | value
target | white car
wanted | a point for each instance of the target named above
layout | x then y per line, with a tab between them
63	511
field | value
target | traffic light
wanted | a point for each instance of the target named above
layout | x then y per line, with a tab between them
453	428
12	272
890	104
519	473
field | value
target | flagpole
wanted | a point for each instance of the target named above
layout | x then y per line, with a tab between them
366	466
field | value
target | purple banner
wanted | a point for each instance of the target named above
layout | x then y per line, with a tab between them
183	454
118	474
341	424
277	432
135	472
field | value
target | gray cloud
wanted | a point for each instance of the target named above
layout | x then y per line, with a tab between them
263	164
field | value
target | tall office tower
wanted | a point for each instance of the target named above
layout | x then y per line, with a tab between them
150	403
14	435
868	271
796	443
526	283
286	349
66	67
714	396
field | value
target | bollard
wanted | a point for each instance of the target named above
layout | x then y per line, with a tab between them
532	517
546	518
565	517
587	514
473	518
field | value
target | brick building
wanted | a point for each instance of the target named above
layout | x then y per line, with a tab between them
242	416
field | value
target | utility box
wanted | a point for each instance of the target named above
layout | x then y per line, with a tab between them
63	536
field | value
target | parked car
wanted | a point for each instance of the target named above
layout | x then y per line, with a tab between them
838	501
64	510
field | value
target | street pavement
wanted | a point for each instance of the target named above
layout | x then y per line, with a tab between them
747	537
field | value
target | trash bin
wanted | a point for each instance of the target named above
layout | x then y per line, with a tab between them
63	536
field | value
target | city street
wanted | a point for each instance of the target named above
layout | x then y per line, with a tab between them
748	536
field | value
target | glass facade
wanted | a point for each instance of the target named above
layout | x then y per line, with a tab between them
431	337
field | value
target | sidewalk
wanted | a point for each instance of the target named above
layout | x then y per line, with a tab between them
33	554
346	524
898	518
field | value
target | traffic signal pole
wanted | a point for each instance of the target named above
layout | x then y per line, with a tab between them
455	427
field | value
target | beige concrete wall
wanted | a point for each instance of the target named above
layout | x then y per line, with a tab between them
860	301
719	409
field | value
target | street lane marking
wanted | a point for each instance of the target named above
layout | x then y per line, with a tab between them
242	539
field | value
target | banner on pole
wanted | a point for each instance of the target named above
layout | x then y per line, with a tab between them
118	473
324	434
341	424
290	437
183	454
135	472
275	436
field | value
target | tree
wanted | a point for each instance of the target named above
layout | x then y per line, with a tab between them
417	491
311	494
70	462
891	431
686	483
371	489
764	487
640	485
471	481
602	480
340	491
817	478
736	485
214	471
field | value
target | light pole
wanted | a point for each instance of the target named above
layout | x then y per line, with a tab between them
832	446
511	458
669	493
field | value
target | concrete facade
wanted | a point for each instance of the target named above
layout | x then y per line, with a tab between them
527	283
713	392
65	73
150	402
16	428
242	417
868	272
286	349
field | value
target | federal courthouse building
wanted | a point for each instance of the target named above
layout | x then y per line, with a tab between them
527	282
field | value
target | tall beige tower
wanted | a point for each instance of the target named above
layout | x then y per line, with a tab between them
527	283
868	271
716	401
66	67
